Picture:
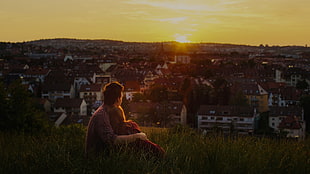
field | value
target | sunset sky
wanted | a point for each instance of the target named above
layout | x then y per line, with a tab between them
252	22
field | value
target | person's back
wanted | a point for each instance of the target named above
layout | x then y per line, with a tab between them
99	135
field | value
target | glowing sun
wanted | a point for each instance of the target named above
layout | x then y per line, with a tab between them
181	38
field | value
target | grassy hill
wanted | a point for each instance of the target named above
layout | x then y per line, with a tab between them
61	151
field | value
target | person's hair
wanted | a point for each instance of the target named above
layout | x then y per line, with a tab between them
111	92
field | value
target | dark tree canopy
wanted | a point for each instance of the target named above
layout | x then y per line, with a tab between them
19	111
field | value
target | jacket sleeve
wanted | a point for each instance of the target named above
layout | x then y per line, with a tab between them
104	129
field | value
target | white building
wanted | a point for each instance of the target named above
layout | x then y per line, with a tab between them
184	59
73	106
228	119
289	119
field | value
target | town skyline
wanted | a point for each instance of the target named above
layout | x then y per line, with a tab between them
235	22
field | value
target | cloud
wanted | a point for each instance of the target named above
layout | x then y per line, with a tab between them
175	20
175	5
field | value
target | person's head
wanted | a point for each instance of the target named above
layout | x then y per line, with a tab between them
113	93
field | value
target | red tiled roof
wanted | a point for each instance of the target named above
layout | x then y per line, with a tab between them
132	86
272	85
68	102
290	122
170	83
275	111
56	87
38	71
91	88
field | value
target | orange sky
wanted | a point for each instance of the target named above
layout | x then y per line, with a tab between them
253	22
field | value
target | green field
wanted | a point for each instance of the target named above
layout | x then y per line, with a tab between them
61	151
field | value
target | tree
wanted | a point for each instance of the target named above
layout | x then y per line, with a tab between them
20	112
263	124
3	106
305	104
158	93
138	97
302	84
163	117
221	91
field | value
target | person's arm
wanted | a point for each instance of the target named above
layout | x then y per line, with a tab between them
123	139
106	133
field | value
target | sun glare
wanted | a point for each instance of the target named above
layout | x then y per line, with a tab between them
181	38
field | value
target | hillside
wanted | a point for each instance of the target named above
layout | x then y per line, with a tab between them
61	151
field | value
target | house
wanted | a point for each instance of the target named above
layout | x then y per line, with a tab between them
171	84
55	91
227	119
38	74
104	66
289	119
57	85
162	70
75	106
284	96
68	58
294	127
92	94
131	88
293	75
257	96
183	59
101	78
148	80
169	113
163	114
46	104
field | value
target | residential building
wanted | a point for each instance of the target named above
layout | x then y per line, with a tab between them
169	113
289	119
57	85
71	106
101	78
46	104
183	59
228	119
131	88
55	91
38	74
257	96
92	94
294	127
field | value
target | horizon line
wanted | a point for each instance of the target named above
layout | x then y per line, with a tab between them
116	40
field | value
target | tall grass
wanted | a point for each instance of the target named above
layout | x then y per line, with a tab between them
62	151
